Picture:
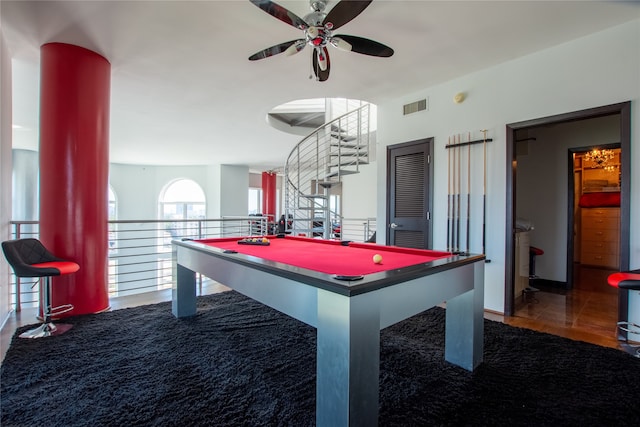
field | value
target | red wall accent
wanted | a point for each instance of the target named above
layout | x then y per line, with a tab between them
74	168
269	195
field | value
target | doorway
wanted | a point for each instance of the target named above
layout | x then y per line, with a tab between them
516	133
594	207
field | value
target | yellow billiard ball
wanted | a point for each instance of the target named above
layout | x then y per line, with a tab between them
377	258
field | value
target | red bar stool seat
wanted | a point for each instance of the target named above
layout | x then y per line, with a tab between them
629	280
29	258
533	253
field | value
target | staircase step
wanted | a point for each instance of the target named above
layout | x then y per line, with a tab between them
340	172
350	146
347	164
327	184
335	128
349	154
341	137
314	196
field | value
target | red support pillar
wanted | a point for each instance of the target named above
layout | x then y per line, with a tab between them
74	168
269	195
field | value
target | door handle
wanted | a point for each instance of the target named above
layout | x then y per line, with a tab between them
394	225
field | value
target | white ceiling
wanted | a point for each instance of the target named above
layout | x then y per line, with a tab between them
185	93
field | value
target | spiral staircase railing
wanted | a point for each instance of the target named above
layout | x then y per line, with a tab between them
318	163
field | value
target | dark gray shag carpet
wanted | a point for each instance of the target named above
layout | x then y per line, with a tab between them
240	363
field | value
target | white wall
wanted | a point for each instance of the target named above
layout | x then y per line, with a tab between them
138	188
359	198
596	70
234	195
228	191
5	170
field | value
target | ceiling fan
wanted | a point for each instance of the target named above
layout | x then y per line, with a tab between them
318	28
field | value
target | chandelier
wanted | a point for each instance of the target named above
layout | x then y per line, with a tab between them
599	157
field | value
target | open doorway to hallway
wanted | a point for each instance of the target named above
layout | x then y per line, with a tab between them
567	292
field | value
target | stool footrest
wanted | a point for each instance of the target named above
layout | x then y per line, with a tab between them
61	309
626	326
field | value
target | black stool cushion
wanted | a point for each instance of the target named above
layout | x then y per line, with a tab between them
23	253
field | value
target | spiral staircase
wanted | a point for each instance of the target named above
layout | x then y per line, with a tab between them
316	164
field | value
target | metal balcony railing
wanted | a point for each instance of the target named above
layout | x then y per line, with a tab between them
140	250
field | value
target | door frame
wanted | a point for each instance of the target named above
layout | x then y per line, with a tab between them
624	110
429	142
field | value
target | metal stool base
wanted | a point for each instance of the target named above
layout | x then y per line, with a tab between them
46	330
632	349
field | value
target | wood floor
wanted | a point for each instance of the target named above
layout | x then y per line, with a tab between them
586	313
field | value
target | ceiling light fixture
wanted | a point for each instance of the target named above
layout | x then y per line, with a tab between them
600	158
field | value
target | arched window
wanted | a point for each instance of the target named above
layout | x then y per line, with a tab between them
113	211
181	200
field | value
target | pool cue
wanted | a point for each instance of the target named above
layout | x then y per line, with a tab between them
453	191
484	192
448	195
468	192
459	191
453	198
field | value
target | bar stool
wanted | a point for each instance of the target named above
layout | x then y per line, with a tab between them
29	258
533	253
629	280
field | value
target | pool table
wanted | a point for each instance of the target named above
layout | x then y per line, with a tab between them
336	287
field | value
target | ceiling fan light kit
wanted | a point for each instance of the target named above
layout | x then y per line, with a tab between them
318	28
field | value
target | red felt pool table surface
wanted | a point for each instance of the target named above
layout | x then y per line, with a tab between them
330	256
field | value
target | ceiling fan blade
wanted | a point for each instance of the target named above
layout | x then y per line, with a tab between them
345	11
289	48
319	64
365	46
281	13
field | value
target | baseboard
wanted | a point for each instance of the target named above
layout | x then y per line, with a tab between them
547	285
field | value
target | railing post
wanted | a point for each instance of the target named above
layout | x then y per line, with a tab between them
18	284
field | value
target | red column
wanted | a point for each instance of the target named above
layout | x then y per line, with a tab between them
74	167
269	195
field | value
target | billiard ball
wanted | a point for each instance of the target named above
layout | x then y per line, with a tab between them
377	258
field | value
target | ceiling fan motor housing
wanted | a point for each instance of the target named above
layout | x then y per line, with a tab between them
318	5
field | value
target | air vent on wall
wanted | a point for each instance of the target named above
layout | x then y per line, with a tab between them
414	107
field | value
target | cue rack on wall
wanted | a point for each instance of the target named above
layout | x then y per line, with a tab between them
462	173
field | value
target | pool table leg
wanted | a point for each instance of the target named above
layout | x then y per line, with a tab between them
348	360
183	292
464	336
